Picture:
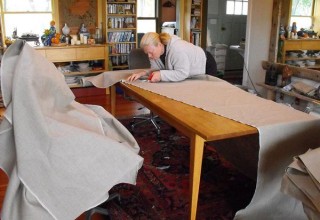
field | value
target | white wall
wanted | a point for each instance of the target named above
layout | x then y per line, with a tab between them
259	22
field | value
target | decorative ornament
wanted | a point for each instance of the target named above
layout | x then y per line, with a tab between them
66	30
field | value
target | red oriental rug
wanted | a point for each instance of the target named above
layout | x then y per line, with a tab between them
162	189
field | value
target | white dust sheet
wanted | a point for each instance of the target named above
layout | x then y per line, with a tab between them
62	157
283	133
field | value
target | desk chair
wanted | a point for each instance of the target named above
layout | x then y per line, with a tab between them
139	60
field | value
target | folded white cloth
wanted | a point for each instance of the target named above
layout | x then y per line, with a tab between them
61	157
302	181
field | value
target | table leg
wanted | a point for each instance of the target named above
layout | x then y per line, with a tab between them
196	155
113	99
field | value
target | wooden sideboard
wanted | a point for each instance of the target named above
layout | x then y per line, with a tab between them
78	53
75	53
299	44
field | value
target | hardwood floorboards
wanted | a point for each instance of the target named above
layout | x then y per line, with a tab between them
125	108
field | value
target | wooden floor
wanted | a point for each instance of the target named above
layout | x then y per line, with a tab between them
125	108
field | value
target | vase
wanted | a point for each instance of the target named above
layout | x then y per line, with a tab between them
66	30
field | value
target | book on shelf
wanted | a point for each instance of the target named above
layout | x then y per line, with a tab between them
195	37
120	36
120	48
120	22
196	2
121	8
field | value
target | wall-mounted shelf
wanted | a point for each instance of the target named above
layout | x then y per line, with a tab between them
271	90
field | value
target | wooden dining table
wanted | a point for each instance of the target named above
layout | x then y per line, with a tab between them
199	125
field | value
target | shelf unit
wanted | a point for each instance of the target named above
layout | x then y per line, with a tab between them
300	101
121	31
300	45
79	53
271	93
196	22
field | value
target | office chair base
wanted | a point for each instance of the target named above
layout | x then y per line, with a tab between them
101	210
143	119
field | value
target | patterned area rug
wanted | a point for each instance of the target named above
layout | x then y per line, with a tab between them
162	189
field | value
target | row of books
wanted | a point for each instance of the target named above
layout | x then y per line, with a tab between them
121	9
120	48
116	22
195	38
196	2
195	23
121	36
196	11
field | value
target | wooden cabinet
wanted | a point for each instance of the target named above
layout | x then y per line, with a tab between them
121	31
291	52
72	54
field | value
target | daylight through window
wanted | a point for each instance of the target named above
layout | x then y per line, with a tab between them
26	16
147	16
237	7
302	13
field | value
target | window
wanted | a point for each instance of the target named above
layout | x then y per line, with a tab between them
237	7
147	16
26	16
302	13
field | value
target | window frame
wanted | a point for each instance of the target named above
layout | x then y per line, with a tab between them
242	7
54	13
156	18
301	16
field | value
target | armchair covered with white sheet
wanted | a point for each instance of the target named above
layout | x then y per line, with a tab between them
61	157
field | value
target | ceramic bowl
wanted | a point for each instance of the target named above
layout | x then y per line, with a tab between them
311	62
83	66
293	54
299	62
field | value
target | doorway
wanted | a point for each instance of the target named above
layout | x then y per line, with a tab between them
228	29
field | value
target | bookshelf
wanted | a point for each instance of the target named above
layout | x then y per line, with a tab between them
195	22
191	21
121	31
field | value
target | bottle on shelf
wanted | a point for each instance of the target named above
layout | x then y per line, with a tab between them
98	36
294	31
